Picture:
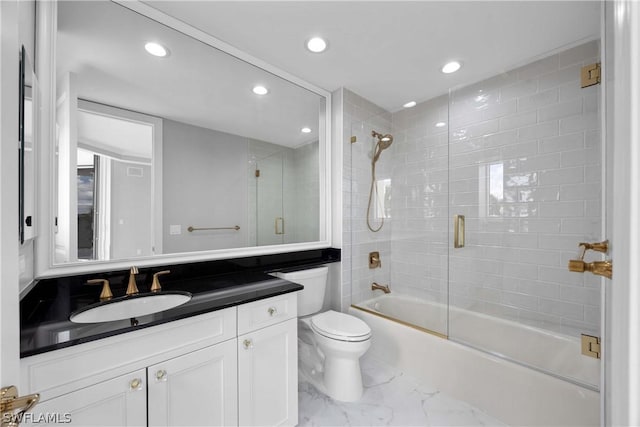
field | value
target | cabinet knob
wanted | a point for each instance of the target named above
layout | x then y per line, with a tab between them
247	344
161	375
135	384
272	311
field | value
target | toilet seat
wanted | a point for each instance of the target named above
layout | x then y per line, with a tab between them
340	326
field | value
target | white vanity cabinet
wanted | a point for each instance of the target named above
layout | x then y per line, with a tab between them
197	389
268	362
189	372
120	401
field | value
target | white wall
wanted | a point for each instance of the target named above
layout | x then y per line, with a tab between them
220	189
204	185
131	209
304	194
9	276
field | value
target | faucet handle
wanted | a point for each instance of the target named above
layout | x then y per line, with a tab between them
106	293
597	247
132	288
155	286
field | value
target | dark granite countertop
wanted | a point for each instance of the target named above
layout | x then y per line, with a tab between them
45	311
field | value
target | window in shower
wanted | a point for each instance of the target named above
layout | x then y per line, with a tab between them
382	198
491	190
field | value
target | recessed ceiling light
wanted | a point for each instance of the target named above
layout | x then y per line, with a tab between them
410	104
440	124
451	67
316	45
156	49
260	90
305	130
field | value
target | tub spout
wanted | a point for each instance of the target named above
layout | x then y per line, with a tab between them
383	288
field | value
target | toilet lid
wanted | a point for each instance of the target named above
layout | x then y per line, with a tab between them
340	326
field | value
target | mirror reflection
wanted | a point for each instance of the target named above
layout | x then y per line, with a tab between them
26	148
168	145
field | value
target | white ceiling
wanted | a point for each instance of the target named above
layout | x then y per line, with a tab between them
120	139
102	43
391	52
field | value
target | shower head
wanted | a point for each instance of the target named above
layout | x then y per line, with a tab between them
384	142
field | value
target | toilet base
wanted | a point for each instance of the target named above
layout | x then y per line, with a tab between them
340	387
342	379
338	376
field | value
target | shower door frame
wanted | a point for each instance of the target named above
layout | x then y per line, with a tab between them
621	390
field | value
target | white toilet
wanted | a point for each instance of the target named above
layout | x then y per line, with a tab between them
330	344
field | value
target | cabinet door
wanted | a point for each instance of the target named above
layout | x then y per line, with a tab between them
121	401
197	389
268	376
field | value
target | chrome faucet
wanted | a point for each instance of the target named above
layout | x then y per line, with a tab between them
132	289
383	288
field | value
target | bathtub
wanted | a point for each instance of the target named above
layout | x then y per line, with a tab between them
511	392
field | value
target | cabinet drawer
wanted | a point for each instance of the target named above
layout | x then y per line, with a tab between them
266	312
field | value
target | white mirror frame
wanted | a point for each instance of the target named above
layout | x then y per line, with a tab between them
46	57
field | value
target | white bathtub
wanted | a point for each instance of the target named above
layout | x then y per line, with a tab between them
513	393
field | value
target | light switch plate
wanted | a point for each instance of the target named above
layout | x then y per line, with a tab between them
175	229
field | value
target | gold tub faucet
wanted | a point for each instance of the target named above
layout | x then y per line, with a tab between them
383	288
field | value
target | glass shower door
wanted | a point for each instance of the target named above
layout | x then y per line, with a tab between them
408	207
270	221
525	176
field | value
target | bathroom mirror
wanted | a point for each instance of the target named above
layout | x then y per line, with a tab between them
165	147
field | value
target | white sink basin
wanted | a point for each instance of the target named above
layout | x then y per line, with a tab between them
129	307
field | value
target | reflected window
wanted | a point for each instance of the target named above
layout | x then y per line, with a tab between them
491	190
383	198
86	181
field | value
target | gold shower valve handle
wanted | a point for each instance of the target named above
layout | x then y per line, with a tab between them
597	247
600	268
577	265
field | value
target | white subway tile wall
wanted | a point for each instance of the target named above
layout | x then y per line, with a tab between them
520	156
360	118
536	193
420	180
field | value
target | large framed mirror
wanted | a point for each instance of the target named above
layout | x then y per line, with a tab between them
167	145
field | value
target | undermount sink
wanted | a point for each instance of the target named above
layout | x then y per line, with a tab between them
131	306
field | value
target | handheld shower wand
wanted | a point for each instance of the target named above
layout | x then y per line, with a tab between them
384	142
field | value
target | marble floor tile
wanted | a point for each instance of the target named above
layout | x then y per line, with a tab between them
390	399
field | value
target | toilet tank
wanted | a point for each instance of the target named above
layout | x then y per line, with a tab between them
314	280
